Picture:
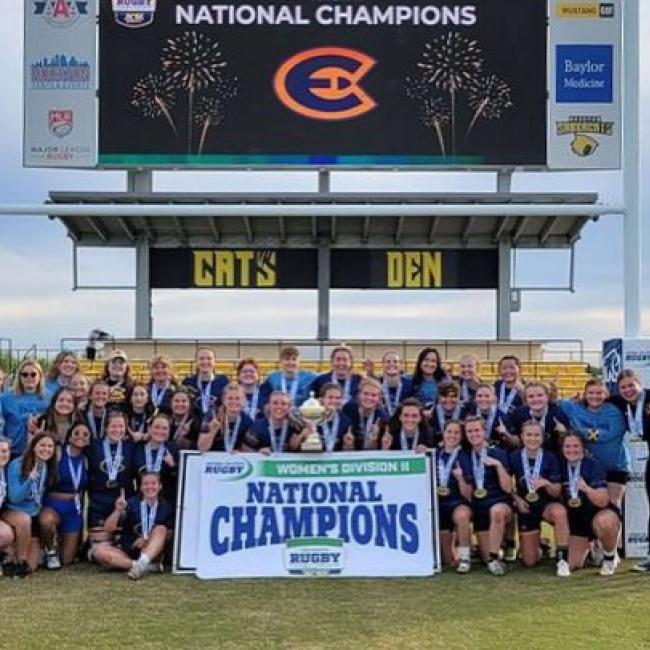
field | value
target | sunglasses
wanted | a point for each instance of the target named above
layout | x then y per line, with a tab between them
31	375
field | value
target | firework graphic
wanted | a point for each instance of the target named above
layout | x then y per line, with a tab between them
451	63
489	97
435	114
210	109
194	62
155	95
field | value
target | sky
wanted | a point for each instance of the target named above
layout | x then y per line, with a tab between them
37	304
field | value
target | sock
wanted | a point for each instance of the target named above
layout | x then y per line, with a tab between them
510	543
463	553
609	556
494	556
144	558
561	553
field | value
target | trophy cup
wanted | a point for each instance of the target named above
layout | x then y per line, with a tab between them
312	412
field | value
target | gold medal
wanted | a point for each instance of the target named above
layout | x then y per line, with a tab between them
443	491
480	493
574	502
111	485
532	497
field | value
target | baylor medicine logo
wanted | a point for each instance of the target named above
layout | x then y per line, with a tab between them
314	556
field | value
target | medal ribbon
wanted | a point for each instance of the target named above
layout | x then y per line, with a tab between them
330	432
75	475
506	402
635	422
113	461
251	404
3	486
147	517
404	440
528	475
573	472
479	468
38	485
92	424
347	386
277	444
154	465
230	435
293	391
388	401
444	468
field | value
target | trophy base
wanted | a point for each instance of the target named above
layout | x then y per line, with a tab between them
313	444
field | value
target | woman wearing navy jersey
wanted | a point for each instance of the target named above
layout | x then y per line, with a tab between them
509	388
162	384
485	405
207	385
538	408
602	427
117	375
145	521
96	410
468	378
60	414
454	495
110	470
28	477
272	434
491	493
139	410
407	429
185	427
61	519
634	403
449	406
426	377
396	387
158	455
248	376
335	429
6	532
342	373
228	428
538	485
367	417
63	368
591	514
21	406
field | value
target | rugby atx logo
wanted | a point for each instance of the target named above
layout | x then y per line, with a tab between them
324	83
134	13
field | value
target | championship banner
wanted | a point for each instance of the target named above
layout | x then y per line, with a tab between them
636	503
320	83
585	51
59	83
341	515
185	268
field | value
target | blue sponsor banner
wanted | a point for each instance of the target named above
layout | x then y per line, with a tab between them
612	362
584	74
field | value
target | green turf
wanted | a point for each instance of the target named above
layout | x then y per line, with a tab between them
84	608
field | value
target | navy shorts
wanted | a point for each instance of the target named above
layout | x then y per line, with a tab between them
446	511
481	515
99	511
581	519
71	520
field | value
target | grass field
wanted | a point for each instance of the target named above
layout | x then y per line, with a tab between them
84	608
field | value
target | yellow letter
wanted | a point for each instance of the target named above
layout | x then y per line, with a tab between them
203	268
266	269
432	271
395	278
225	275
245	259
413	270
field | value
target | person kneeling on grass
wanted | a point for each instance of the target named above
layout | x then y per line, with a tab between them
592	516
538	485
145	522
491	493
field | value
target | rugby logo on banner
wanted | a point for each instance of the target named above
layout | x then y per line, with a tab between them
134	14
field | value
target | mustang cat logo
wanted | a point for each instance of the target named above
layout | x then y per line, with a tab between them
323	83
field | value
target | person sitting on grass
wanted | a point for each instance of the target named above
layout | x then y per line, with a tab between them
145	520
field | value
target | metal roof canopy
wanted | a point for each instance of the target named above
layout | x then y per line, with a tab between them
307	219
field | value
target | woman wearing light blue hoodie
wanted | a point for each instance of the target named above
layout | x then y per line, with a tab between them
602	426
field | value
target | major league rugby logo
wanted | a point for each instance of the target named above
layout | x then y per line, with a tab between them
60	13
134	13
60	122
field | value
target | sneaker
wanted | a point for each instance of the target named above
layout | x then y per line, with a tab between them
608	568
464	566
52	560
510	555
8	569
563	570
642	567
596	554
22	570
138	570
496	568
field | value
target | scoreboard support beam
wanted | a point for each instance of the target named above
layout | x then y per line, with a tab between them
142	182
503	291
324	264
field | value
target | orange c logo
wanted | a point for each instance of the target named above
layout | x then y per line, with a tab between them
323	83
